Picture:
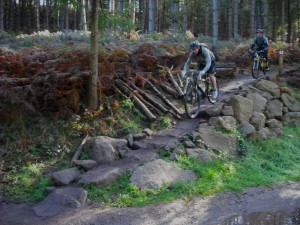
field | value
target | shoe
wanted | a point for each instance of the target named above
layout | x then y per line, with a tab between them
267	68
214	93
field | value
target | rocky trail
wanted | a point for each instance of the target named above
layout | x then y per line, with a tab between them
278	204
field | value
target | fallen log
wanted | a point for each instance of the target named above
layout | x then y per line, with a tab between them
169	90
225	65
164	98
225	71
136	100
177	87
150	99
79	150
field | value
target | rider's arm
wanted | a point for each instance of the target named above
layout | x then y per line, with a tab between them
207	57
266	43
188	62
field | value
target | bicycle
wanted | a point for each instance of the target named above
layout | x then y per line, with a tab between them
259	64
196	91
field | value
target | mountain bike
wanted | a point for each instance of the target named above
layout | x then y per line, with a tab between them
259	65
196	91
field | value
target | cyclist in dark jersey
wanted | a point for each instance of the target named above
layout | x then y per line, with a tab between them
198	52
262	45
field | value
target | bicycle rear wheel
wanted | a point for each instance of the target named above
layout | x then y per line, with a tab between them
208	87
191	101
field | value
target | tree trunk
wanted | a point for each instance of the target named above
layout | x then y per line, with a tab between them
215	25
185	15
236	19
241	18
282	21
1	15
266	21
119	6
252	18
151	16
93	80
207	17
258	14
37	15
230	12
46	7
289	22
175	12
83	24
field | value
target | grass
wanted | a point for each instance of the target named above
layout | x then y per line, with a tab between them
276	160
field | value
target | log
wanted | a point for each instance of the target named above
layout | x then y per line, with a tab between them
168	103
225	71
169	90
79	150
179	80
177	87
136	100
225	65
150	99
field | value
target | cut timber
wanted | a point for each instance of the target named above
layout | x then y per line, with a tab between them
225	65
79	150
136	100
177	87
150	99
164	98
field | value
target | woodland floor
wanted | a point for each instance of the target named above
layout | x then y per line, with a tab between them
277	204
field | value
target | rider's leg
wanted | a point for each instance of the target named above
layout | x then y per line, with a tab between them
265	56
213	80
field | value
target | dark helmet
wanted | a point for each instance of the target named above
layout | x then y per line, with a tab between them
194	44
259	31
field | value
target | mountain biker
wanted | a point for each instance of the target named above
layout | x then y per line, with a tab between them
262	45
198	51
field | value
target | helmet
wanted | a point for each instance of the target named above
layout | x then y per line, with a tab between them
259	31
194	44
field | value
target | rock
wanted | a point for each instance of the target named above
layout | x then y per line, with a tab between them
274	109
258	120
291	118
156	173
65	177
148	131
61	200
269	87
227	111
86	164
290	102
259	102
247	129
100	176
201	154
104	149
140	136
242	108
218	141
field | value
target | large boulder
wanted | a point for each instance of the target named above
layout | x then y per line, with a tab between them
104	149
269	87
154	174
218	141
259	102
61	200
242	108
274	109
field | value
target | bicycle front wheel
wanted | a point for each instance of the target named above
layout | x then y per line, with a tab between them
208	91
255	70
192	101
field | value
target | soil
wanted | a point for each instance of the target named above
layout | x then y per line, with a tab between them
277	204
261	204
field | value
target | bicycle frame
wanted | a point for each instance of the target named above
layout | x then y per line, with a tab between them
258	62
